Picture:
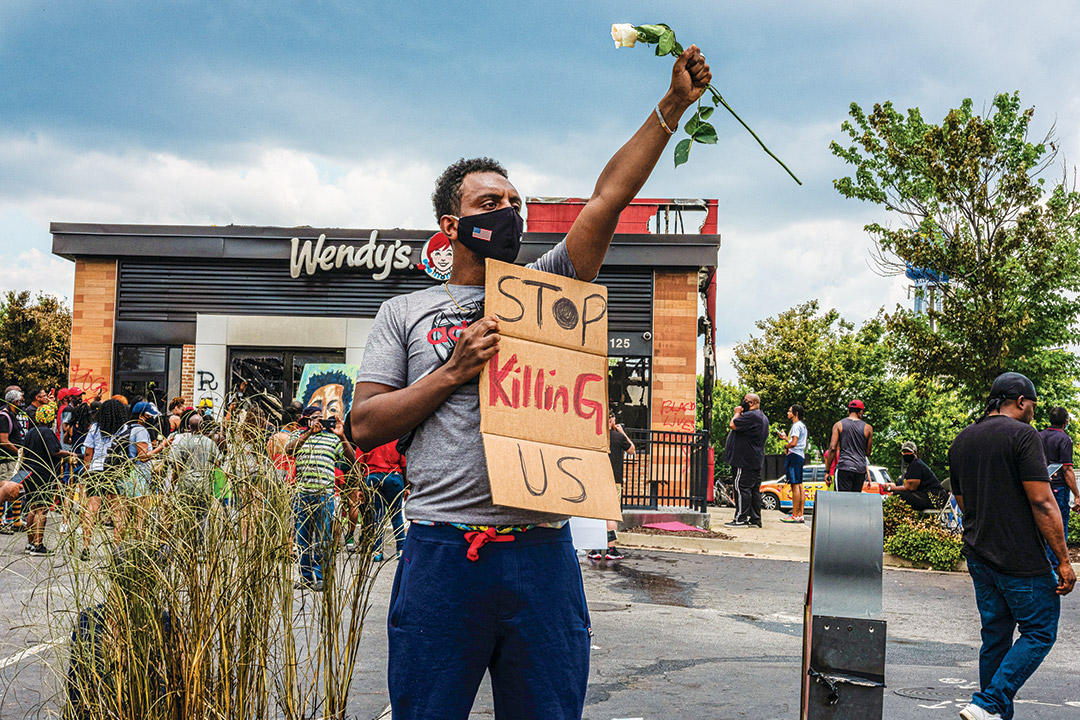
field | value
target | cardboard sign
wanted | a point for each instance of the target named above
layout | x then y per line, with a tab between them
551	478
545	394
546	308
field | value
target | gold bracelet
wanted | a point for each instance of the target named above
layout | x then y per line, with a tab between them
660	117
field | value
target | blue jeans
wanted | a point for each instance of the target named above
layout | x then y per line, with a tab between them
314	532
1061	494
388	488
1006	603
517	612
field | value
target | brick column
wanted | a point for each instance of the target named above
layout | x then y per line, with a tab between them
93	312
187	374
674	370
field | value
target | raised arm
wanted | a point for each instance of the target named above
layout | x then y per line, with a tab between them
626	172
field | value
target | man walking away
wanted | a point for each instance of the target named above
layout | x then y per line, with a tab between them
795	447
921	488
745	453
1058	447
851	439
1000	482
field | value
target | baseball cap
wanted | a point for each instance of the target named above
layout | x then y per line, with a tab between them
1011	385
311	410
908	447
145	408
856	405
63	393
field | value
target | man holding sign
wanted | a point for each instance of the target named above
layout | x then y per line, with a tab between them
461	606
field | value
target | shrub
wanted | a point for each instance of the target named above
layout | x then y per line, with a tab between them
896	513
925	544
1074	527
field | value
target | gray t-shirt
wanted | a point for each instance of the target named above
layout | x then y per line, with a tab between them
798	430
195	457
413	336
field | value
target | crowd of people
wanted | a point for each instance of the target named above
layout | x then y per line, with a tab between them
1013	485
60	451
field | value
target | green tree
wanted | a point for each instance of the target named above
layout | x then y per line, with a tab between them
35	340
994	243
819	360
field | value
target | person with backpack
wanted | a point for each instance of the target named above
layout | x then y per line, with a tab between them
42	456
134	482
11	433
100	485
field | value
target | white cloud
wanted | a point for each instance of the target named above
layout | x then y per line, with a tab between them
279	186
764	273
37	272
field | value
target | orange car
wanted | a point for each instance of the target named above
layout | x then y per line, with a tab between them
776	495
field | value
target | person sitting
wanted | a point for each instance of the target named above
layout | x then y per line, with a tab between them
921	488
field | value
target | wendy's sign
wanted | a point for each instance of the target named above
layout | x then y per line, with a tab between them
543	396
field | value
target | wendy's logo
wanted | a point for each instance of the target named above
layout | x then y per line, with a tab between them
437	257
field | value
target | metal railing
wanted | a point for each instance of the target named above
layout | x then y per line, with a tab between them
669	469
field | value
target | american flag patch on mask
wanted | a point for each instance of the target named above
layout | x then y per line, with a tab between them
481	234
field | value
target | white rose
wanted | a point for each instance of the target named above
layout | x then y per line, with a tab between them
624	35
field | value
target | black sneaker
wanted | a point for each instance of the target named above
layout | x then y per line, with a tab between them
38	549
614	554
594	555
736	523
84	555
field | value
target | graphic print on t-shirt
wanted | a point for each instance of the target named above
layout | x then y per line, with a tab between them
447	326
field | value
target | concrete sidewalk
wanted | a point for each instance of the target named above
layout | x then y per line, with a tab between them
774	539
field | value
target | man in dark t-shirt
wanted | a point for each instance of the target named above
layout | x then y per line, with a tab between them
921	488
745	453
1058	447
999	479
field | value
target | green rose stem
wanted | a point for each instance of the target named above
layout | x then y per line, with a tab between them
720	98
699	131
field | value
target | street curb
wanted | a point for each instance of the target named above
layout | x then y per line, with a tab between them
772	551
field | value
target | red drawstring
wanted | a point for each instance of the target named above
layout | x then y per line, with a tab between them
479	539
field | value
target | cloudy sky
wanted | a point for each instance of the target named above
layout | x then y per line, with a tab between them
342	112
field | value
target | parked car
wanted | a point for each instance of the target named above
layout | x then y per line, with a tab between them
776	494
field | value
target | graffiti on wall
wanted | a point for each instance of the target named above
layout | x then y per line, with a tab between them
88	380
679	416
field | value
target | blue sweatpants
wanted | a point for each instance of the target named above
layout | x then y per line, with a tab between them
518	612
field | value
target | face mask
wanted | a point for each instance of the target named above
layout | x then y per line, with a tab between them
495	234
907	458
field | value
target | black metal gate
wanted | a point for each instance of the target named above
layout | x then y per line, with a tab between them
669	469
